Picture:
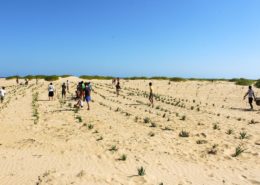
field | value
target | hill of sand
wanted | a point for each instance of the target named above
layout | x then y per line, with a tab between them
49	142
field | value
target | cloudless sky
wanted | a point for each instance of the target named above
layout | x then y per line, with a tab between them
187	38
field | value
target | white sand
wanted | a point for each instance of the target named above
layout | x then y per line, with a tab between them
60	150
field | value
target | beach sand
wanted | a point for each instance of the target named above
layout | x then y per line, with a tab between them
61	147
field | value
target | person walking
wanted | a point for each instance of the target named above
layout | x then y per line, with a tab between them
51	90
63	91
2	94
88	94
151	95
251	96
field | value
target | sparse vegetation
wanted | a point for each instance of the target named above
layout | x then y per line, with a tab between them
239	150
184	134
147	120
123	157
243	135
141	171
229	132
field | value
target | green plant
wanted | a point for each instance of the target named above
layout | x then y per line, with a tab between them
147	120
229	132
243	135
183	118
199	142
216	127
243	81
184	134
113	148
123	157
239	150
90	126
79	119
151	134
257	84
141	171
213	150
100	138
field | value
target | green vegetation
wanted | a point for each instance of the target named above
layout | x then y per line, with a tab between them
123	157
141	171
239	151
184	134
31	77
177	79
242	81
257	84
86	77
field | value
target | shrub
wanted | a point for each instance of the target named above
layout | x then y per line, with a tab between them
257	84
51	78
177	79
243	81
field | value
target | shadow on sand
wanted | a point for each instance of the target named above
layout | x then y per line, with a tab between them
243	109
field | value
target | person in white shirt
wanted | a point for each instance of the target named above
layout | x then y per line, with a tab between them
2	94
51	90
251	96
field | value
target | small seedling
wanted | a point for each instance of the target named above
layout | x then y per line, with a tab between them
100	138
239	151
151	134
229	132
79	119
183	118
141	171
243	135
213	150
113	148
184	134
147	120
123	157
90	126
200	142
216	127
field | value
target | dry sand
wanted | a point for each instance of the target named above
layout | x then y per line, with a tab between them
58	149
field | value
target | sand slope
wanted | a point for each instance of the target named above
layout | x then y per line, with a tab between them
59	149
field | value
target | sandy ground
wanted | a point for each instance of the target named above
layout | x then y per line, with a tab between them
61	147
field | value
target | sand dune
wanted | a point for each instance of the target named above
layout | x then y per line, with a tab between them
64	146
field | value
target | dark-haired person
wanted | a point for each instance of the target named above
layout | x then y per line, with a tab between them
151	95
51	90
63	91
251	96
26	81
118	87
88	94
2	94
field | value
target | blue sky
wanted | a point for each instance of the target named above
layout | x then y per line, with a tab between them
187	38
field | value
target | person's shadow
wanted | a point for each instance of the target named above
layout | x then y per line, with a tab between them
243	109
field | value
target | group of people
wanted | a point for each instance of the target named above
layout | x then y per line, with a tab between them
83	93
